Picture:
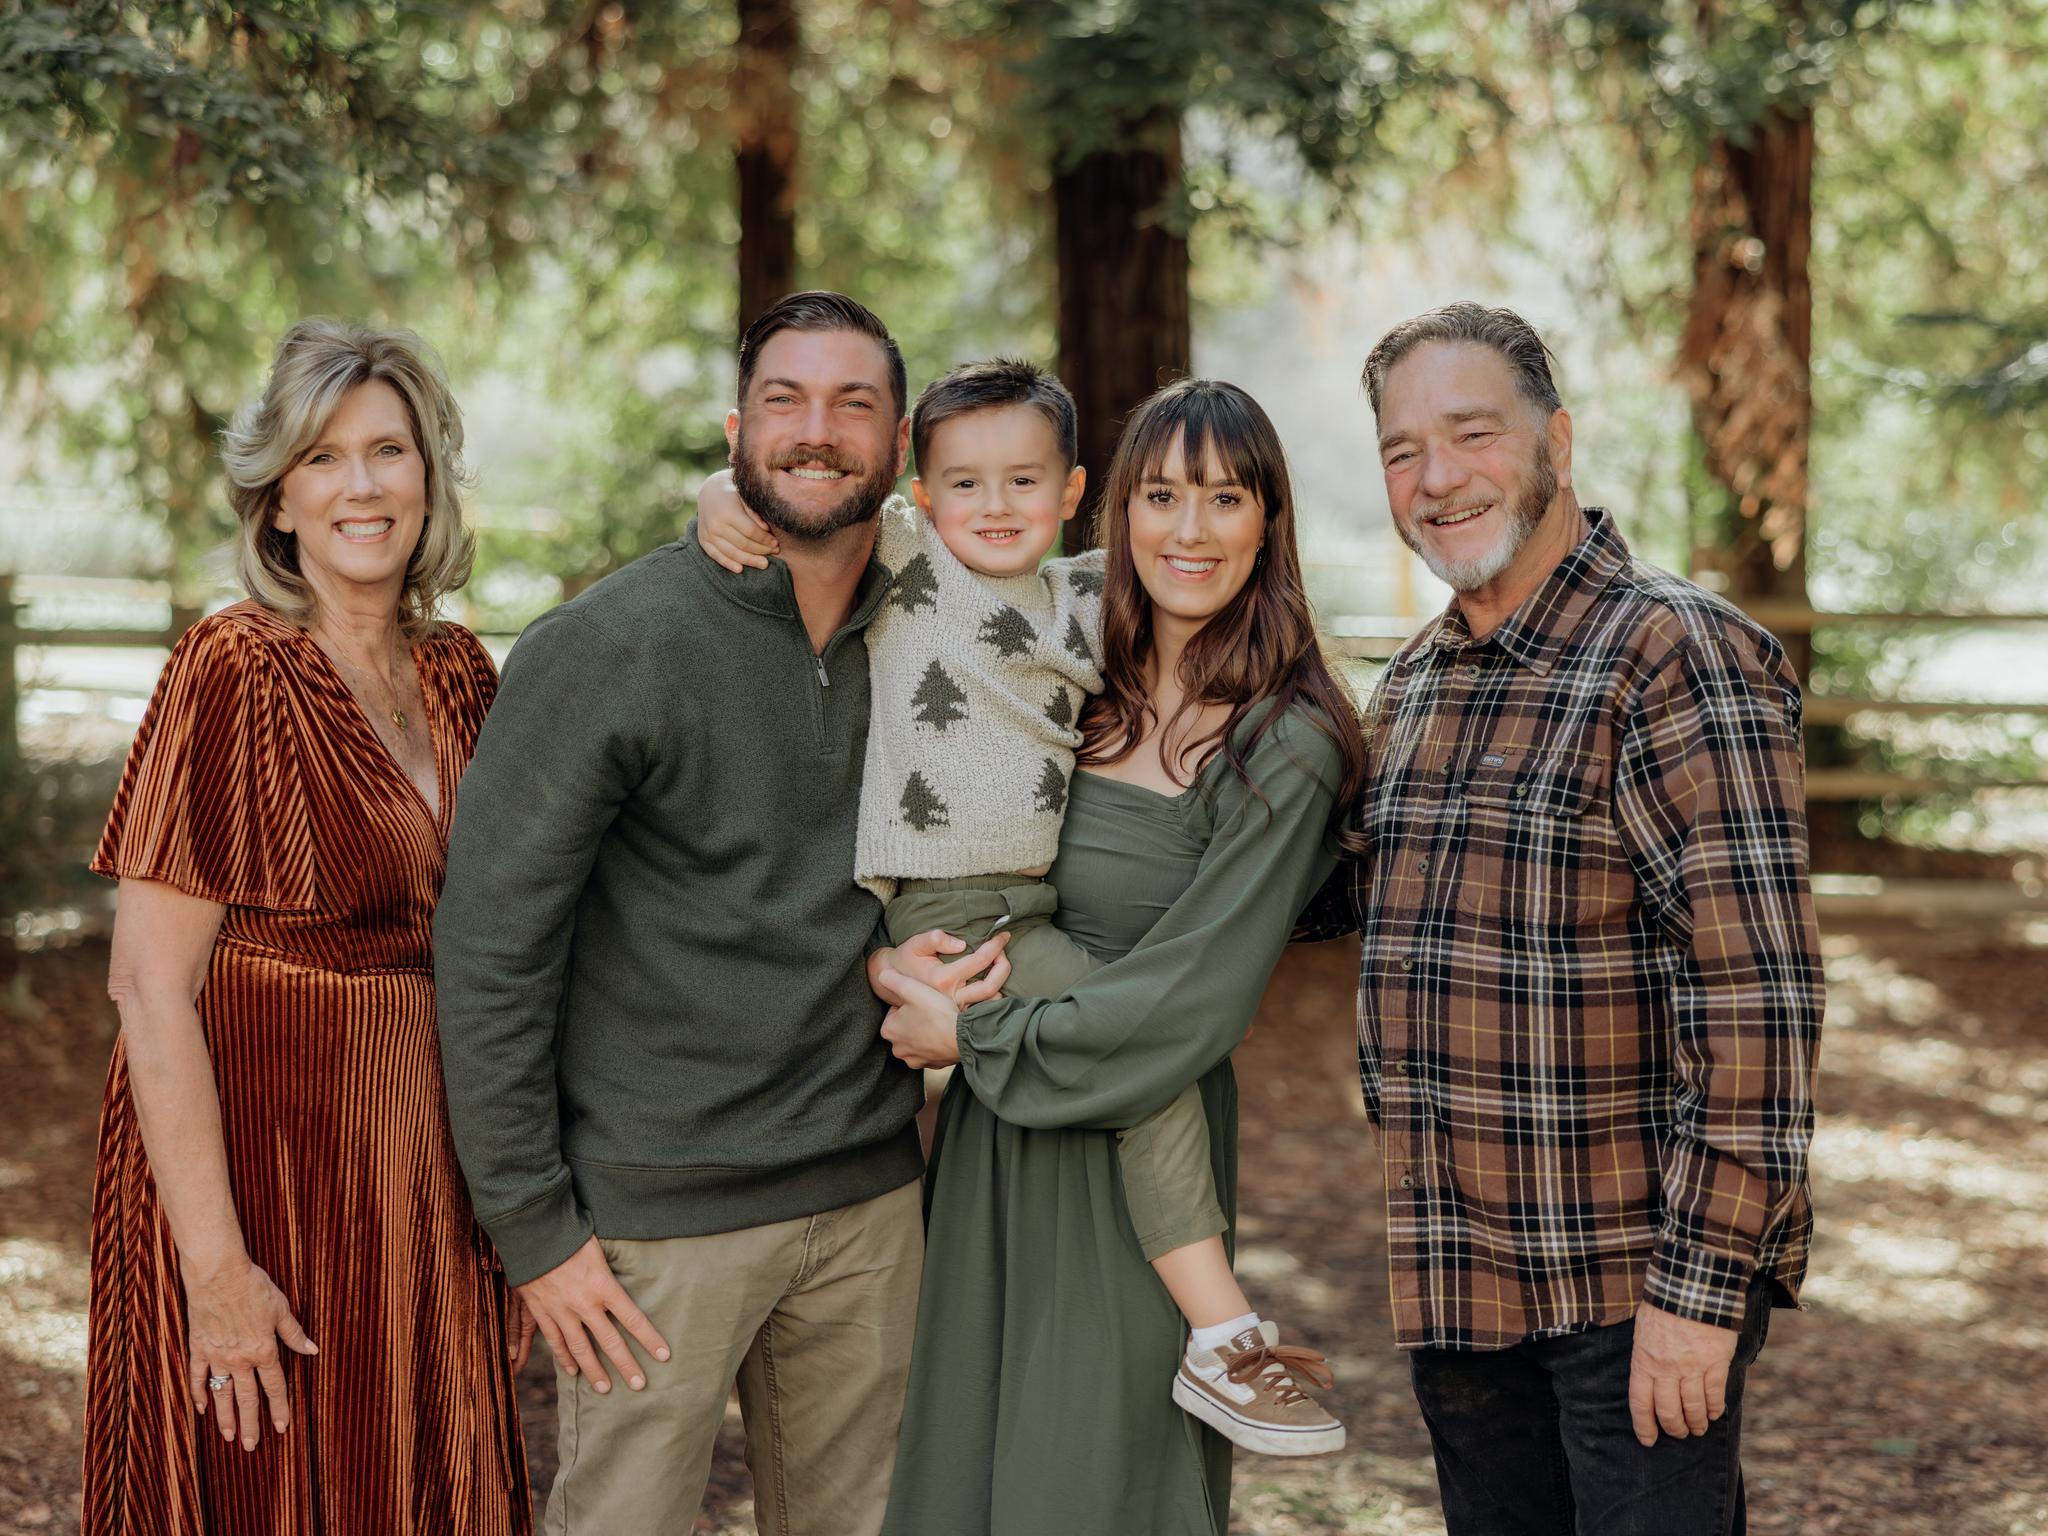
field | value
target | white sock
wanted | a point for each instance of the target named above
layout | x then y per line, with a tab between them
1222	1333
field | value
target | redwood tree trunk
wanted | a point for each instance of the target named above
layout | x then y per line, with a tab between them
764	152
1123	291
1747	353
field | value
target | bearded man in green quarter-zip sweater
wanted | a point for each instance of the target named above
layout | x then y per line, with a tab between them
676	1115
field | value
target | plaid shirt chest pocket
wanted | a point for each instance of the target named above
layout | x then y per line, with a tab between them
1540	848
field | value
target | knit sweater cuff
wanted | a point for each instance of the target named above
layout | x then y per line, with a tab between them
542	1233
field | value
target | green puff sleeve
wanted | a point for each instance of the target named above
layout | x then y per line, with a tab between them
1131	1036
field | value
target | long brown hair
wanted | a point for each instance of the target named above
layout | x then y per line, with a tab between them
1262	645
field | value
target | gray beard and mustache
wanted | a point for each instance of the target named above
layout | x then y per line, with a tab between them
1524	516
865	490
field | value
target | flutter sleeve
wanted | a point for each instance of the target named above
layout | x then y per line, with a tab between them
211	801
470	683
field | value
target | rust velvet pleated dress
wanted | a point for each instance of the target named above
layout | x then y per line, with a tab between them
256	781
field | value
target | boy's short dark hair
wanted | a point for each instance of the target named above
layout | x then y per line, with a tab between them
821	310
986	386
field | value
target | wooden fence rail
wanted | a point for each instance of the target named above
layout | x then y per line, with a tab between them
1376	637
1359	637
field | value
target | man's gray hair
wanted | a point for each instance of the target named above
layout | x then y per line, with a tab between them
1502	330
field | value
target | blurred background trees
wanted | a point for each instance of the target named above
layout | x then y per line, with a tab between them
1789	249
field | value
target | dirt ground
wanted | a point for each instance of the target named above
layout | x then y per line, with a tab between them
1911	1396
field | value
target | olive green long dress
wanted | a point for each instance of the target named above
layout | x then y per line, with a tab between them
1040	1387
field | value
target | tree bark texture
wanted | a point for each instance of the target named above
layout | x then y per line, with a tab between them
765	138
10	691
1123	292
1747	352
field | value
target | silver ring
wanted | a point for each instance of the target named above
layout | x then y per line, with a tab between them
218	1382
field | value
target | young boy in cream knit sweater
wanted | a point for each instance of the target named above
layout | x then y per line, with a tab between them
980	661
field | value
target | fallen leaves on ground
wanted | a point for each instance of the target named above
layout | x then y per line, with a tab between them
1907	1398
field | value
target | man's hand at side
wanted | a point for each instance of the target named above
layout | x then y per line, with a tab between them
575	1303
1678	1376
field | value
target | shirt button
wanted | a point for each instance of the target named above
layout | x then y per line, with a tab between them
1407	1181
1400	1069
1407	964
1521	791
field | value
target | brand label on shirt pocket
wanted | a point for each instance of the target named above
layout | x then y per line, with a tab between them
1533	853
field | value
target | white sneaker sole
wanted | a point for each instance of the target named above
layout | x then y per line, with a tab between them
1252	1435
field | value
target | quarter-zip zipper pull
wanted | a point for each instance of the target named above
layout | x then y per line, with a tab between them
823	680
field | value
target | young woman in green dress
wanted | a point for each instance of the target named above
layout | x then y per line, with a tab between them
1213	770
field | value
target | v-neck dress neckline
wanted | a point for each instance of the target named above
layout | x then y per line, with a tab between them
437	814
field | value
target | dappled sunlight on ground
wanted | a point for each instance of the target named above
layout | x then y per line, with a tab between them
1907	1398
42	1305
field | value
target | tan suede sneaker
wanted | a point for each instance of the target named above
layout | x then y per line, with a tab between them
1250	1392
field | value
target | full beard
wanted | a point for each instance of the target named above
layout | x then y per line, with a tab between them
866	490
1524	517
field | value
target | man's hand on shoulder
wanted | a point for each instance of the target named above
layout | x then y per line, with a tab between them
1678	1376
728	531
575	1302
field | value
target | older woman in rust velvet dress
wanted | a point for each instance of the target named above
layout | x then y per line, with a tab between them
297	1325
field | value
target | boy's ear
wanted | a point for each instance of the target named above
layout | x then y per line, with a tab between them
1070	498
921	496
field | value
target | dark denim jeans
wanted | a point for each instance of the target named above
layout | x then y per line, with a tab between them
1535	1440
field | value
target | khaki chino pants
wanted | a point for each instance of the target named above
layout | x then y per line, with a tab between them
813	1317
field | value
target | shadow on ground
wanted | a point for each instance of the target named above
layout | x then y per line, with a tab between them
1907	1399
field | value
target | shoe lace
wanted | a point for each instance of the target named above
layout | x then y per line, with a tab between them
1280	1369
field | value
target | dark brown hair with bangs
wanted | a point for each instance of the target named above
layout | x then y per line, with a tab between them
1263	644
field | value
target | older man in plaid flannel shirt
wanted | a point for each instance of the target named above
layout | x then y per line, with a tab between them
1591	994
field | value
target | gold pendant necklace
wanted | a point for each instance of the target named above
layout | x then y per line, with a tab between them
397	715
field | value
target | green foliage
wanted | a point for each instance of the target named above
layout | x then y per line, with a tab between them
544	192
1338	92
51	813
1716	69
181	181
1930	301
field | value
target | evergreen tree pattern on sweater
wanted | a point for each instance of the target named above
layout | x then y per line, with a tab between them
1077	640
1052	789
938	699
1008	631
922	808
916	587
976	685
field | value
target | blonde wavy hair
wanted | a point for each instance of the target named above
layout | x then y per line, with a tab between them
317	364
